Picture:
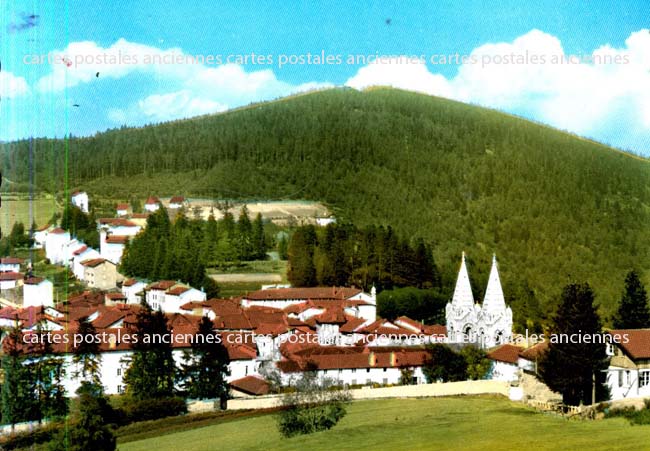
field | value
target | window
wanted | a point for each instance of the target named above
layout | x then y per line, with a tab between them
368	370
119	371
620	378
385	381
120	389
354	382
644	378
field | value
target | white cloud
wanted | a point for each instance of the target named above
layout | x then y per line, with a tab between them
588	97
193	88
12	86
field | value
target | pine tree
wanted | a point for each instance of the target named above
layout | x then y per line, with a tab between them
569	367
87	356
302	271
633	311
19	402
206	368
259	238
152	369
90	432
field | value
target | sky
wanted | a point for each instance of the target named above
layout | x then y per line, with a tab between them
78	68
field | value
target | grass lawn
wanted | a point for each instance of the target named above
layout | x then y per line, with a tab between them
17	210
472	423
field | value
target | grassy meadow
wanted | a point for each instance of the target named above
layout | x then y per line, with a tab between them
467	423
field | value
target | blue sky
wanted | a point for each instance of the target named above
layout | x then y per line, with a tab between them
608	102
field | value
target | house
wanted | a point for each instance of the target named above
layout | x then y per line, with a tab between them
38	292
249	386
131	288
323	222
152	204
177	202
284	297
354	366
40	235
11	280
118	226
80	200
10	264
111	247
169	296
505	363
100	273
628	374
80	255
123	209
54	245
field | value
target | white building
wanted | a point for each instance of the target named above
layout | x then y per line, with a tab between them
122	209
505	363
168	296
177	202
131	288
80	199
152	204
488	325
10	280
55	246
10	264
80	255
111	247
628	375
40	235
38	292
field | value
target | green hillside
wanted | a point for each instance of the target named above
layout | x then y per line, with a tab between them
554	207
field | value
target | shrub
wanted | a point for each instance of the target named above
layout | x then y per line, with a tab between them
153	409
313	407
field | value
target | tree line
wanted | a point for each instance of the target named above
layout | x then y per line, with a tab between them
346	255
182	250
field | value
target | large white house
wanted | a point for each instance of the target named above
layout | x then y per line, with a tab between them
38	292
55	245
489	324
80	199
628	375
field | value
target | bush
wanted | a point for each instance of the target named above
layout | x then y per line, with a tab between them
26	440
153	409
313	407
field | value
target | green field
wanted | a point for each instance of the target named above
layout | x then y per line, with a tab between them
17	210
483	423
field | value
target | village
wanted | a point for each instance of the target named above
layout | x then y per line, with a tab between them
278	329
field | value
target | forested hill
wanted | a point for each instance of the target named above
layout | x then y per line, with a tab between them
553	207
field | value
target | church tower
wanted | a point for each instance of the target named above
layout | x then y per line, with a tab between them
495	318
461	313
487	325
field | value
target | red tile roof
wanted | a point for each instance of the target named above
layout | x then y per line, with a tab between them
122	206
140	215
152	200
92	263
315	293
638	342
117	239
162	285
117	222
177	290
177	200
57	231
534	352
81	250
251	385
10	275
506	353
33	280
11	261
129	282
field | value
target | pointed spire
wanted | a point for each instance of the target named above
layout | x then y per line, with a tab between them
463	296
494	300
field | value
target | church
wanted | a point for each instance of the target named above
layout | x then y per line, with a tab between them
486	325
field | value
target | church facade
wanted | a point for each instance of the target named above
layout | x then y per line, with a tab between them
486	325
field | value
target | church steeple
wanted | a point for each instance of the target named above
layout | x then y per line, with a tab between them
494	300
463	296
